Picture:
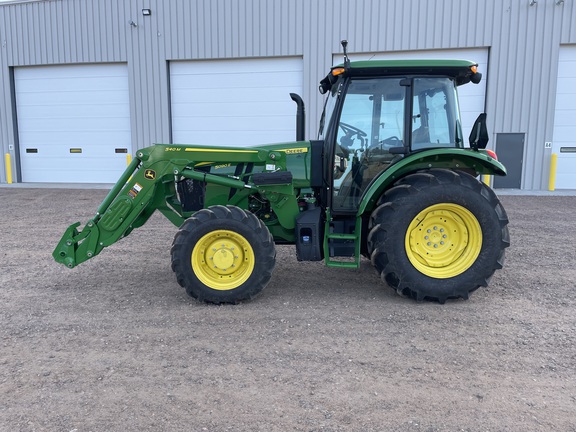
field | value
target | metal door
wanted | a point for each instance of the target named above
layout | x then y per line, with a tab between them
510	151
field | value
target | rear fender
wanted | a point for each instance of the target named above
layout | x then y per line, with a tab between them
473	162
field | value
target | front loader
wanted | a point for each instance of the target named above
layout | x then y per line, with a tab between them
388	178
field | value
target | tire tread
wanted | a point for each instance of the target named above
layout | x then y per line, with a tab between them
181	266
382	231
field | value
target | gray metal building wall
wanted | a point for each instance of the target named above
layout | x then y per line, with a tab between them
523	39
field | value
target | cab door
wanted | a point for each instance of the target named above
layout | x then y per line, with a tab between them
371	121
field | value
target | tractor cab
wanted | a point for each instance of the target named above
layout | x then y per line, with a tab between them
378	112
381	121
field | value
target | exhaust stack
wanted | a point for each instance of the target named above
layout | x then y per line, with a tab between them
300	117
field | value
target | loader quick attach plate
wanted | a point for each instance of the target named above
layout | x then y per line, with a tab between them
64	252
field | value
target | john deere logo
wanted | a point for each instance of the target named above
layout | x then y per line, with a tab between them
150	174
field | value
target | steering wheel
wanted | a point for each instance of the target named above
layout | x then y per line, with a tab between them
347	141
352	130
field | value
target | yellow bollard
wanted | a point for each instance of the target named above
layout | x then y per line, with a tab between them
552	179
8	168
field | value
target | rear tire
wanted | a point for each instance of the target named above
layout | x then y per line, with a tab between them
223	254
437	235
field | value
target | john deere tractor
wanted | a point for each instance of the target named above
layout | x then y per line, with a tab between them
389	178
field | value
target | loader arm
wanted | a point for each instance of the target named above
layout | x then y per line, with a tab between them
149	184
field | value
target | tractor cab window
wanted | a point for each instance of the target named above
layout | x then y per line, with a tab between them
371	122
435	114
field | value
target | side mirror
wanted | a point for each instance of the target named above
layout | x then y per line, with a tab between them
479	135
476	78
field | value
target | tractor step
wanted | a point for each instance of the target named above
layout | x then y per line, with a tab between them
342	264
339	236
345	247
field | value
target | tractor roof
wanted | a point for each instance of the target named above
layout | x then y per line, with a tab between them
461	70
411	64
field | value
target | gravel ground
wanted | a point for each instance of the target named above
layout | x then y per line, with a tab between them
116	344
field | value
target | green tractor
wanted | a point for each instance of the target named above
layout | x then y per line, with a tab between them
388	178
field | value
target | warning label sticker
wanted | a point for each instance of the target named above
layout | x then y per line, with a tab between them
135	190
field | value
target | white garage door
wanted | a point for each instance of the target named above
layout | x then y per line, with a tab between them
73	122
234	102
564	144
472	97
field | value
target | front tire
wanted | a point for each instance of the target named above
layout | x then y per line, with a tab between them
438	234
223	254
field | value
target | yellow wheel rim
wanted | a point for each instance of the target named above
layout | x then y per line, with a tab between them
443	240
222	260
